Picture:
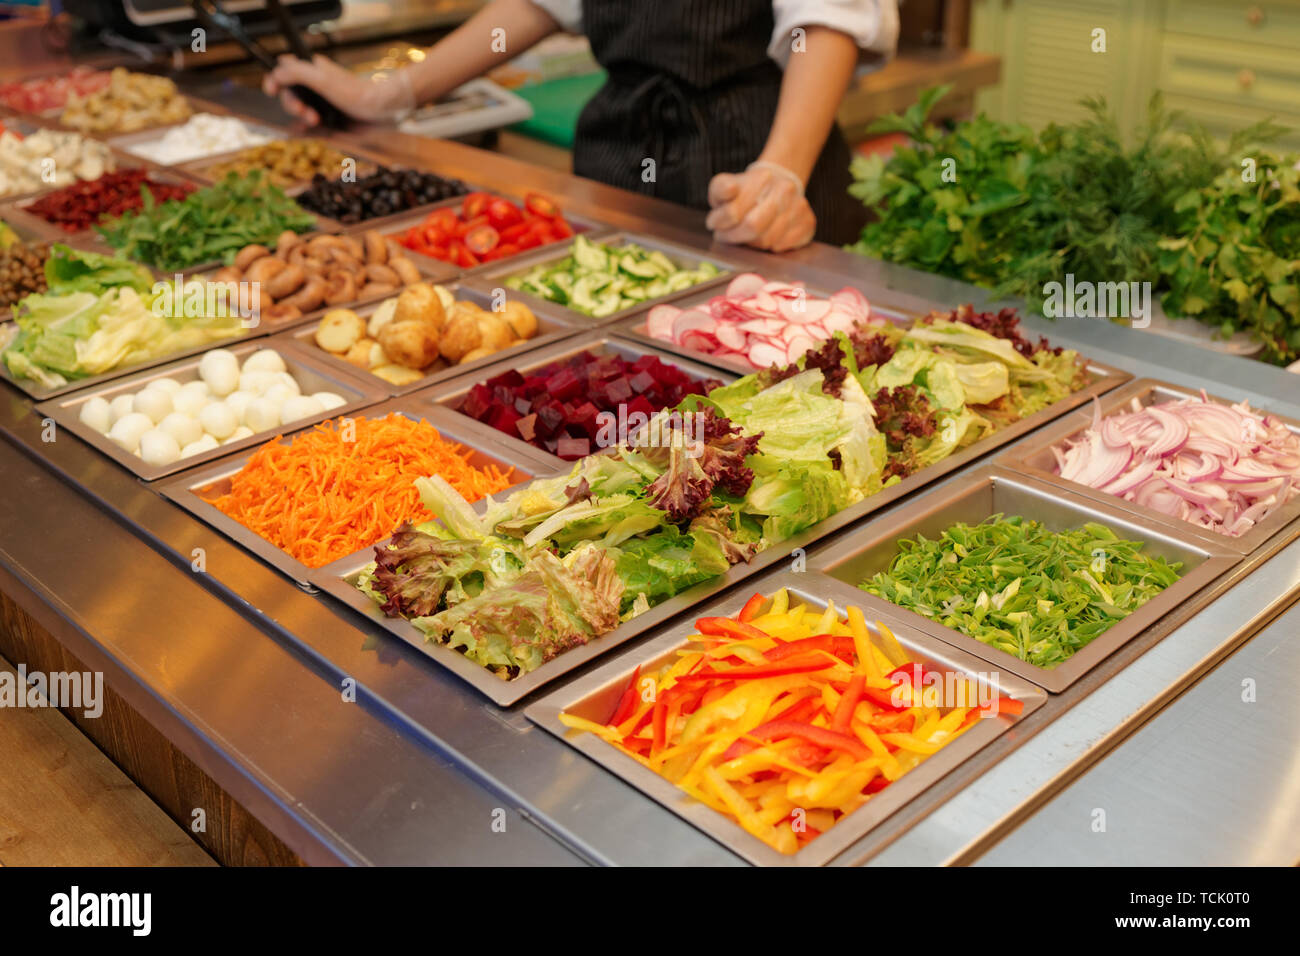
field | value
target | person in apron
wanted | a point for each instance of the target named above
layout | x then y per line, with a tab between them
722	105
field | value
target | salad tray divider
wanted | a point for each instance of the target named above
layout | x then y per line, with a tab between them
451	392
185	489
990	490
1034	457
311	374
552	327
685	256
594	694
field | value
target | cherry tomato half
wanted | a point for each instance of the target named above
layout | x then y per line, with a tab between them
539	205
474	205
482	239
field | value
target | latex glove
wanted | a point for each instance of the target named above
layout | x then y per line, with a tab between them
763	207
359	97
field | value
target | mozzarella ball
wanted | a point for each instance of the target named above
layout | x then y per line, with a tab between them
256	381
284	378
126	431
220	369
206	443
243	431
154	402
168	385
158	447
329	400
97	414
264	360
237	401
191	398
120	407
218	420
262	415
300	406
184	428
279	393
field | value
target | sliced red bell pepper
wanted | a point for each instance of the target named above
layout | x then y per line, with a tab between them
760	671
751	608
801	712
626	701
878	783
726	627
848	703
841	647
818	736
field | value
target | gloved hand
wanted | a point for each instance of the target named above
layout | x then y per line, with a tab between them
359	97
763	207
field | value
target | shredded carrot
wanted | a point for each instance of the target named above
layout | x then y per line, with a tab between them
321	496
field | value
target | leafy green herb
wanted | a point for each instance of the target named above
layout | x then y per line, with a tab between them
1000	206
207	225
1018	586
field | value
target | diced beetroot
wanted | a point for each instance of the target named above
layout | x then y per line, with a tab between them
523	405
640	382
564	385
503	419
510	379
572	448
618	390
478	402
550	417
641	404
527	427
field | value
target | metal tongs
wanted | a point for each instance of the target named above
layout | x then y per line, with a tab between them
215	17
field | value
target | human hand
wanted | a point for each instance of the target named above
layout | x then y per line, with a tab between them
358	97
762	207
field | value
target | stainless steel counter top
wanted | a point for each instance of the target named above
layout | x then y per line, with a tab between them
243	670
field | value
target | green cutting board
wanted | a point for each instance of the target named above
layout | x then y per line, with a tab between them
556	105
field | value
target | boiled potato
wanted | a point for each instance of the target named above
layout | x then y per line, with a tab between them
520	318
420	303
413	343
494	333
461	336
359	354
477	354
339	330
445	297
382	315
398	374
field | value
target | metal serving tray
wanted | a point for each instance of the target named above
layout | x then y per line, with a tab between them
430	271
385	224
312	376
18	210
193	489
202	169
130	142
634	326
393	225
1034	457
495	277
551	327
992	490
595	694
9	329
452	392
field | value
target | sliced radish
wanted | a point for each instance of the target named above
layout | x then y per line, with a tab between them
730	337
744	285
837	321
659	321
798	346
763	355
692	320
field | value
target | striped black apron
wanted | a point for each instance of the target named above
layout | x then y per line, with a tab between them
692	89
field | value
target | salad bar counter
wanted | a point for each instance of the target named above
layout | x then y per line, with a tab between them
518	535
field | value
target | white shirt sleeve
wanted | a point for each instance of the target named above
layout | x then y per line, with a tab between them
873	24
567	13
